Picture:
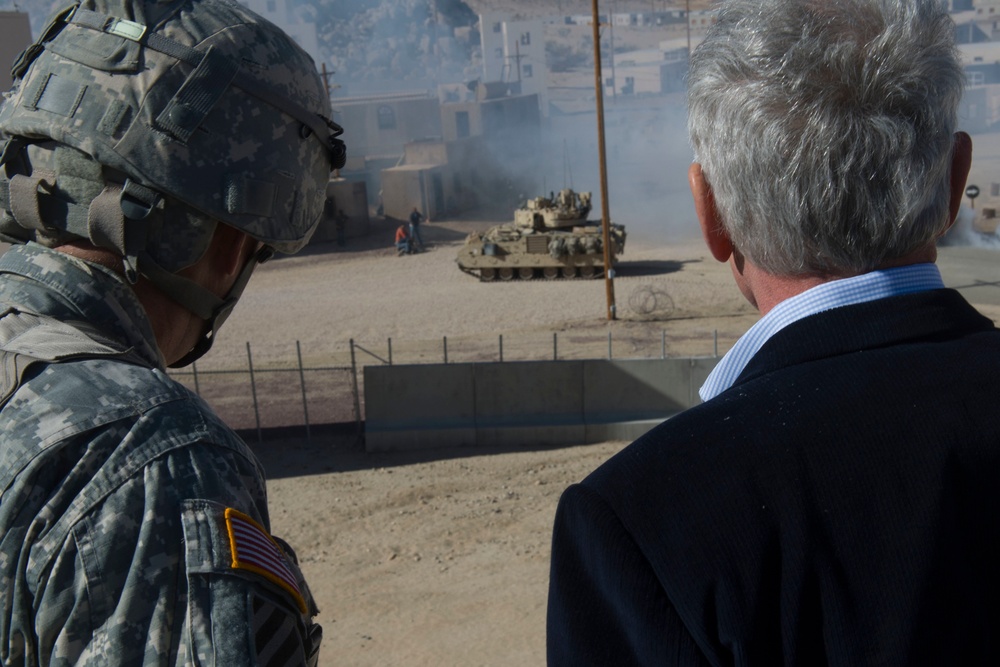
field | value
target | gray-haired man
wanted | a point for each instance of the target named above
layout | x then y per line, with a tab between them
833	500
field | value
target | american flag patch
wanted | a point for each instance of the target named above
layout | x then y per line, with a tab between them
256	551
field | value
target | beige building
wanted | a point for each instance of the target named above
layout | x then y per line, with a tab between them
442	178
15	36
381	125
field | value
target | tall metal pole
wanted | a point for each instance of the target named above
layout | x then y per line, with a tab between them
609	284
687	15
611	37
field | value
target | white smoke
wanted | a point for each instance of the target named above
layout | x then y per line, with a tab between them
964	233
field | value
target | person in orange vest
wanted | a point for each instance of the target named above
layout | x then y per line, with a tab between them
403	241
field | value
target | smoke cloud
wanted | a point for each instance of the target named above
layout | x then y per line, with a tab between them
964	233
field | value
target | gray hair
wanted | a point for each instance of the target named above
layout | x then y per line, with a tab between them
825	129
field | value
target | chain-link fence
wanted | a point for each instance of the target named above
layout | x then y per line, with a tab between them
288	395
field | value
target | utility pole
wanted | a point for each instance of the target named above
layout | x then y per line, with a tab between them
326	80
687	16
614	79
517	58
609	271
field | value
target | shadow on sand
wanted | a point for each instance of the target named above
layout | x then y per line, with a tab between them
337	448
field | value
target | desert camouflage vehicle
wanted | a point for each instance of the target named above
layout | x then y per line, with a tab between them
550	237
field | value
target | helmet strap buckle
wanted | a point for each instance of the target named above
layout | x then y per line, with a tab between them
137	203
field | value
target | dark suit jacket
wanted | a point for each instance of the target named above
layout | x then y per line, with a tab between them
837	506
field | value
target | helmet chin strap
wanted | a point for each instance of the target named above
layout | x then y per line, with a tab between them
224	308
200	301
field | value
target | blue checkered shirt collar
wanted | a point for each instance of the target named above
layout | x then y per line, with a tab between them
836	293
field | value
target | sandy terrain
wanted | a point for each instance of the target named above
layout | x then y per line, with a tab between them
325	299
441	558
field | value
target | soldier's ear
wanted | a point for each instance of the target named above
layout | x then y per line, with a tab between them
715	234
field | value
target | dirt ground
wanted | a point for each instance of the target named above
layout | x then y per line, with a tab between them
441	557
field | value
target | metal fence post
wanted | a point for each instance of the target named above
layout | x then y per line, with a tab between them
501	348
354	388
390	351
555	346
253	391
445	349
302	382
194	369
663	344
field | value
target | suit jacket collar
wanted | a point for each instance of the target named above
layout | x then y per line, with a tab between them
935	314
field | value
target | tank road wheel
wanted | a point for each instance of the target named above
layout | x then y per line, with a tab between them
486	275
525	273
587	272
550	272
506	273
568	271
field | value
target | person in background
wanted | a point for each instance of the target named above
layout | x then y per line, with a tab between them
154	154
403	241
341	225
416	218
833	499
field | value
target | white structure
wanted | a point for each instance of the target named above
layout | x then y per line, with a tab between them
514	52
299	27
648	71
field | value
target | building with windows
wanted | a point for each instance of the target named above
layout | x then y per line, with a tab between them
487	154
980	107
377	129
514	53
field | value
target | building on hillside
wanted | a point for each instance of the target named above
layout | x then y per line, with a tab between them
299	25
971	28
648	72
985	16
980	106
514	52
15	36
702	20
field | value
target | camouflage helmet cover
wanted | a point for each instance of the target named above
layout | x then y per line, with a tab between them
199	100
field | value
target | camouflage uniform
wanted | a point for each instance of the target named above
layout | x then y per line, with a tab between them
117	545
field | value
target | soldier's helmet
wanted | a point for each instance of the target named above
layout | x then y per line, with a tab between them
140	124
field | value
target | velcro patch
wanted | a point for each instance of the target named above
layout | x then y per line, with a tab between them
256	551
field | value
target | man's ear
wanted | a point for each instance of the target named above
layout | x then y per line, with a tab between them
716	237
961	162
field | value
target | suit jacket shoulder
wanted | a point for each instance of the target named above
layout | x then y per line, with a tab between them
832	506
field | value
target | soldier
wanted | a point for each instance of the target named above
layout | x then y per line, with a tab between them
416	242
154	153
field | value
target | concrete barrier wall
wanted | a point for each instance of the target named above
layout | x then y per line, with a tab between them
527	403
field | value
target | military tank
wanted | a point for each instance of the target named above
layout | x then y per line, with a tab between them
550	237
